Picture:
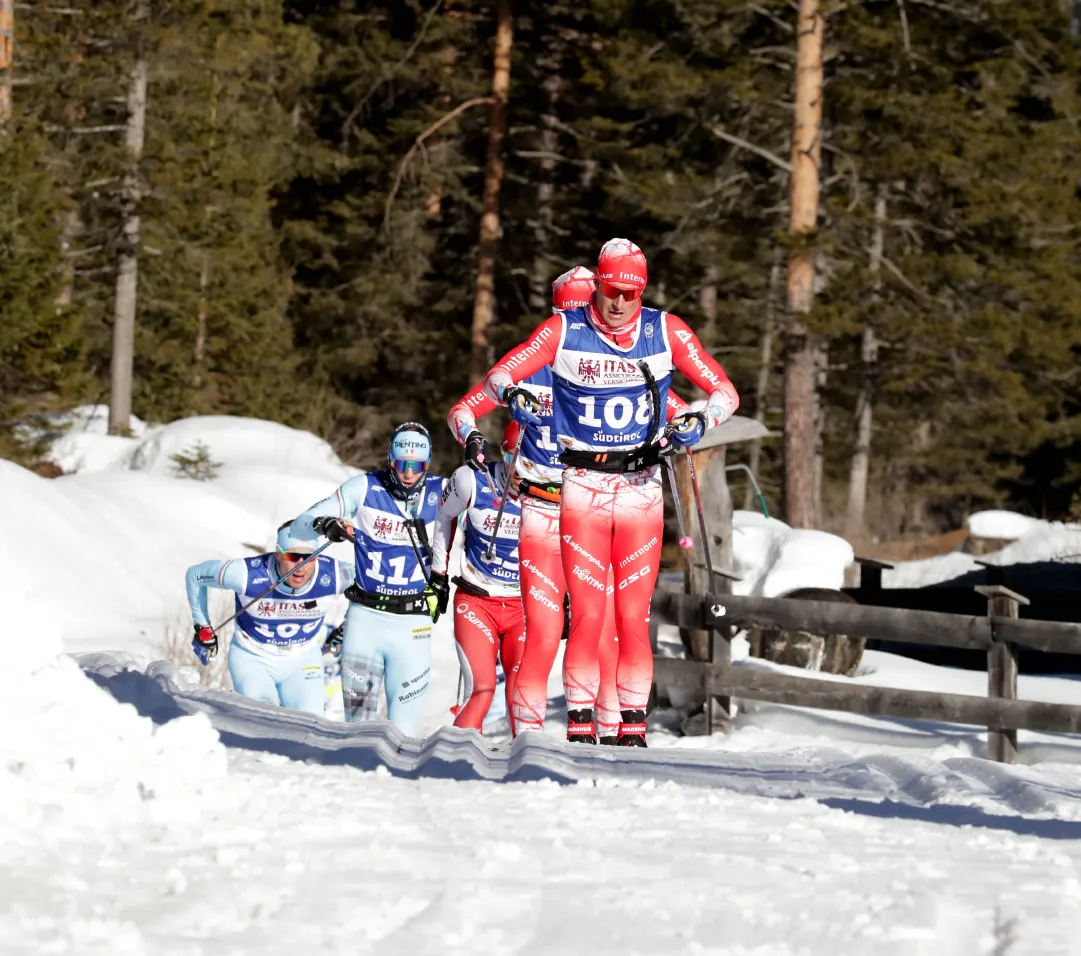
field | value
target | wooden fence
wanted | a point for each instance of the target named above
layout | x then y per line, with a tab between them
999	634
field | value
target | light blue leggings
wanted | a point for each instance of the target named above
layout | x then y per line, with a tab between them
377	644
294	680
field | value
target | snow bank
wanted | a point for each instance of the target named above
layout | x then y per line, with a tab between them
112	540
72	755
1043	541
1007	525
775	559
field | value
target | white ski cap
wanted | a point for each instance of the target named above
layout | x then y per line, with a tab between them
301	542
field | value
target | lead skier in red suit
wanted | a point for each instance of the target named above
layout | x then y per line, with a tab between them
612	363
541	567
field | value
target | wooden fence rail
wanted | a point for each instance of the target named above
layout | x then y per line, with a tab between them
999	634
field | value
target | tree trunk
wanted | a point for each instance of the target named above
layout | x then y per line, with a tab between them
822	358
484	302
765	360
861	451
707	302
543	224
7	44
201	308
128	254
800	351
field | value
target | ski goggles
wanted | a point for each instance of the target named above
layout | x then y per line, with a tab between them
407	466
610	291
295	556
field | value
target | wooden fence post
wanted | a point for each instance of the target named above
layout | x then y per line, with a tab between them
1001	667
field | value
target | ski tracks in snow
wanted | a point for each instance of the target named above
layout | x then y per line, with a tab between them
995	793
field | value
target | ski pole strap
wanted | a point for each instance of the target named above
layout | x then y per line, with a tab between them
391	603
468	588
549	492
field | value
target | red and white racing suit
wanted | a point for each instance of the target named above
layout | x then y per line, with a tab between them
488	618
610	522
541	564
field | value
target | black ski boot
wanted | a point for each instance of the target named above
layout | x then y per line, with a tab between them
580	727
632	731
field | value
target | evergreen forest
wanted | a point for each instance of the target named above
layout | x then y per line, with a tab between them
298	220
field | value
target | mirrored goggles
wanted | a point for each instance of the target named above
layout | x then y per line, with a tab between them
406	466
610	291
295	556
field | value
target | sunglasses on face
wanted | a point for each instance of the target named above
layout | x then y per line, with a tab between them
295	556
410	467
610	291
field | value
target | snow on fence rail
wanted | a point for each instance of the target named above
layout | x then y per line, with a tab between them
999	633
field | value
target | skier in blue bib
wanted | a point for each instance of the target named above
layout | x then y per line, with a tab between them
389	515
276	653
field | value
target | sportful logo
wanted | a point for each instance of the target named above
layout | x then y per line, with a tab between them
583	575
575	546
635	555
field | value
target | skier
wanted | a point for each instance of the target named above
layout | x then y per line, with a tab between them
388	515
607	425
543	584
488	617
276	652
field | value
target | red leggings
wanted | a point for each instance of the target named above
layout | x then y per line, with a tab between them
543	587
483	628
610	522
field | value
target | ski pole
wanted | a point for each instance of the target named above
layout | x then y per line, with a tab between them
701	517
420	560
264	593
686	542
506	490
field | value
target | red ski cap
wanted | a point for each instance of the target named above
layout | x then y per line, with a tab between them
573	289
510	438
623	265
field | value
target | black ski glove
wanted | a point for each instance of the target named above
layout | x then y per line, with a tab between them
439	595
333	528
478	451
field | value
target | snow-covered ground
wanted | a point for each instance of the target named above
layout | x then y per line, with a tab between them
146	814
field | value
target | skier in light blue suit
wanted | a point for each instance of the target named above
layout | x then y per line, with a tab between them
390	517
276	652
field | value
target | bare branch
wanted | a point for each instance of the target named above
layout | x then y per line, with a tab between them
84	130
750	147
889	264
419	142
904	28
387	74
